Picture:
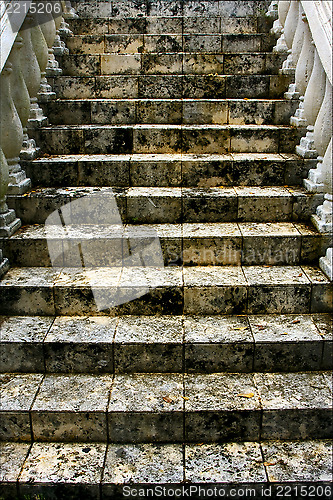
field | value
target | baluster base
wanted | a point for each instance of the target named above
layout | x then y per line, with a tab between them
59	47
292	93
323	219
29	150
9	224
306	147
299	120
4	265
326	263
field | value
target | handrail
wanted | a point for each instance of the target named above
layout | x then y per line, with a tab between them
10	24
319	16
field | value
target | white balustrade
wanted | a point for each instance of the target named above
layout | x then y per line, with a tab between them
278	26
26	52
310	44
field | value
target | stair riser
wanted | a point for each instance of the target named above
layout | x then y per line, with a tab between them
171	86
242	357
190	208
166	427
169	64
210	8
175	300
113	140
168	172
223	112
176	25
206	251
166	43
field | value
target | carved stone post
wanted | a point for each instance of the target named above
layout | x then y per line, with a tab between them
289	66
278	26
324	216
313	99
62	29
40	47
18	182
11	136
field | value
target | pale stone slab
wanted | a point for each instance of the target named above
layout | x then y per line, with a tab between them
66	470
147	408
21	343
149	344
221	407
71	408
80	345
224	463
218	344
286	343
298	461
12	458
295	405
264	204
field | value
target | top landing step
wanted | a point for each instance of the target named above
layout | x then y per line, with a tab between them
177	8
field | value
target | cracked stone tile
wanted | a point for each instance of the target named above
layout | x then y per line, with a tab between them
65	470
146	407
286	343
221	407
295	405
143	464
21	341
71	407
12	457
298	461
223	463
149	344
80	345
218	344
17	395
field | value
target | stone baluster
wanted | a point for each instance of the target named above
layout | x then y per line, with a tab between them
62	29
295	37
273	10
278	26
326	263
316	181
68	11
289	66
32	76
324	216
18	182
313	99
40	47
49	31
11	137
302	75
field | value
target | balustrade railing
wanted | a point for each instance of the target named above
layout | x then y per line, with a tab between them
305	34
31	35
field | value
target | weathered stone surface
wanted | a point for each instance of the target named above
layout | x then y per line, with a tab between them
221	407
12	457
144	344
71	408
218	344
298	461
147	408
224	463
21	340
282	394
66	470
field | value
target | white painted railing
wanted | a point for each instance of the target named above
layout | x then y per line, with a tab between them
29	29
305	35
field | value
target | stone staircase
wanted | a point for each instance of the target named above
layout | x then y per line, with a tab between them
195	346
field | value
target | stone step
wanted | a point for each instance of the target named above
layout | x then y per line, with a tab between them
174	344
172	112
172	64
166	408
125	85
105	472
234	169
169	42
188	244
153	25
188	8
170	290
160	138
149	205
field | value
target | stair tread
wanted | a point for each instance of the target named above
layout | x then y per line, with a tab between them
157	464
